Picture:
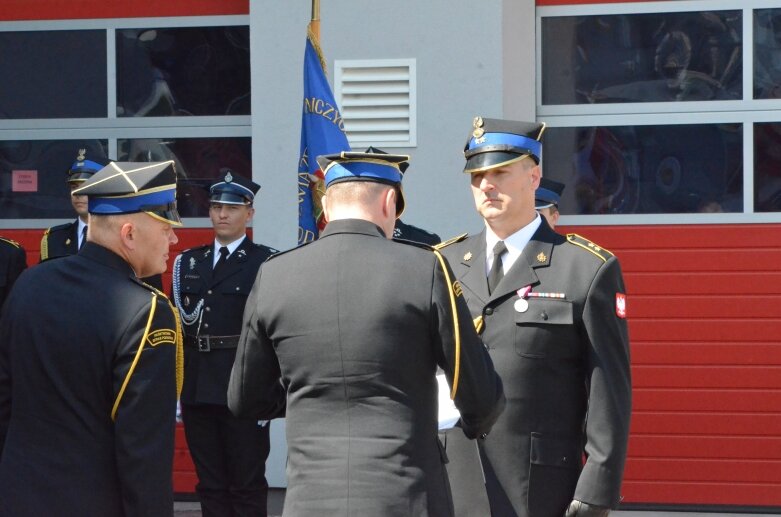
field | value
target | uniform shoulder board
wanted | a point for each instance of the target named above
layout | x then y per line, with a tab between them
414	243
268	249
11	242
278	253
151	288
599	251
451	241
196	248
57	228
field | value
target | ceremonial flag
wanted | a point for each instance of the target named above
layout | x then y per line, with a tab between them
322	132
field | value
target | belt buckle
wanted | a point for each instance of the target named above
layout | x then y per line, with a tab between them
203	344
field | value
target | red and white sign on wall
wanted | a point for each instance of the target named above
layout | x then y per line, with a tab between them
24	181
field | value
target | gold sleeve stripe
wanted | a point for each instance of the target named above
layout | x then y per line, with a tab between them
456	328
135	359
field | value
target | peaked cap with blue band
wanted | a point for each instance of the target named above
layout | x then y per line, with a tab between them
495	142
132	187
232	189
82	169
376	167
548	194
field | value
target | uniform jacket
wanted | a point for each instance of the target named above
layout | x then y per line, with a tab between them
356	325
60	241
12	262
68	338
224	296
564	362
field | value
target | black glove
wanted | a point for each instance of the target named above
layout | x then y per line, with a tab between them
581	509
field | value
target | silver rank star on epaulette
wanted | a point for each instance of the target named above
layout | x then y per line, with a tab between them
396	233
192	263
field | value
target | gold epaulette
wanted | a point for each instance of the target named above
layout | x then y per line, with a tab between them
11	242
45	245
599	251
451	241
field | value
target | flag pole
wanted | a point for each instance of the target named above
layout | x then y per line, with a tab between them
315	23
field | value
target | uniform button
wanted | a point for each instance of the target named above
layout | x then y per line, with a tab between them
206	325
489	311
208	309
237	288
564	459
544	316
209	291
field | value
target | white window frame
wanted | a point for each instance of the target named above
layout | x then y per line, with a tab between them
113	128
746	111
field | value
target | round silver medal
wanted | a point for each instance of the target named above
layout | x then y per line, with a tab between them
521	305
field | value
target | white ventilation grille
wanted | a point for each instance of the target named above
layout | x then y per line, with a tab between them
377	98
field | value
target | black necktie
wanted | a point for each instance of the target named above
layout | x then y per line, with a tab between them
496	273
83	236
221	260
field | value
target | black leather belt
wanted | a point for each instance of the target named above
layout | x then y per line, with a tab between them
209	343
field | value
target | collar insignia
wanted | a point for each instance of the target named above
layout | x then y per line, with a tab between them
468	255
541	257
241	253
192	263
67	241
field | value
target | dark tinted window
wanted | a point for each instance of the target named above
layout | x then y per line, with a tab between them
53	74
767	53
767	167
186	71
198	162
647	169
642	57
33	176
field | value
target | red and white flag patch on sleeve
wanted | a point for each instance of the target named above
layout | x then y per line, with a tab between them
621	305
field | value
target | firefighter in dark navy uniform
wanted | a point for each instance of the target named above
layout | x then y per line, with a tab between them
66	239
210	291
552	311
91	362
546	200
13	261
355	325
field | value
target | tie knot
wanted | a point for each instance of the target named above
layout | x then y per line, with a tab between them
224	252
499	248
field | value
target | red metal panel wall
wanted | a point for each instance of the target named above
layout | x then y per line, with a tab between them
705	319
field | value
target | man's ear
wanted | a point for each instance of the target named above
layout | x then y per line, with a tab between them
128	235
389	203
535	174
324	204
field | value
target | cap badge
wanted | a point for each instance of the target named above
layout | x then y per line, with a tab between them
541	257
468	255
192	263
82	155
228	178
477	124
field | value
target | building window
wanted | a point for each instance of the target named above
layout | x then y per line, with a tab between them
183	71
139	89
33	176
53	74
653	116
378	101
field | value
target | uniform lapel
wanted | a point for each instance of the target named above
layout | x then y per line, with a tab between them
473	260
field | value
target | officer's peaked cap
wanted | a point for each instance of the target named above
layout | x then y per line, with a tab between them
376	167
373	150
132	187
233	189
548	193
83	168
495	143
